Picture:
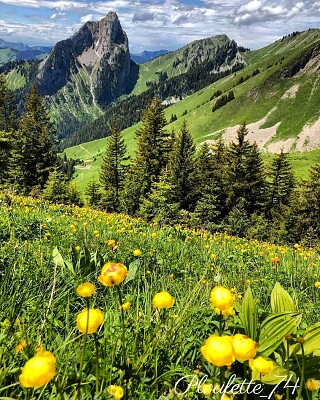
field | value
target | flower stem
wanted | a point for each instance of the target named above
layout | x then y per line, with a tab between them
288	370
97	362
83	351
303	367
123	344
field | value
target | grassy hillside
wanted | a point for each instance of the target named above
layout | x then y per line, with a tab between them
288	103
48	250
178	62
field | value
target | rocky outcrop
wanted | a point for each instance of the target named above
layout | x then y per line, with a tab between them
98	52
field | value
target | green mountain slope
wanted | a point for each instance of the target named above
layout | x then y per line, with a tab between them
277	95
178	62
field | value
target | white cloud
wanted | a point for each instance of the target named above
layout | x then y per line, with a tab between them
253	5
57	15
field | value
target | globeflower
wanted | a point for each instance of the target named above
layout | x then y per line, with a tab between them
218	350
116	392
163	300
137	252
92	317
261	365
39	370
312	385
112	274
229	312
86	289
221	298
244	347
125	306
317	284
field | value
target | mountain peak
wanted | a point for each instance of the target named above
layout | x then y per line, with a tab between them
99	50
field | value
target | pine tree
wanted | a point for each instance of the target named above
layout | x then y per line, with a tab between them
153	145
113	169
93	192
8	108
159	206
246	182
33	157
282	182
211	183
308	208
181	169
8	124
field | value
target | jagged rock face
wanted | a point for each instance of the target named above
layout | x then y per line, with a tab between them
100	51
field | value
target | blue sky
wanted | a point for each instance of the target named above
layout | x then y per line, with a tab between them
155	24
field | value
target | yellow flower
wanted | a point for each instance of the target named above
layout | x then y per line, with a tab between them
116	392
244	347
86	289
229	312
78	248
278	396
218	350
39	370
206	389
137	253
163	300
171	276
111	243
112	274
93	317
312	385
96	232
317	285
21	346
125	306
221	298
153	234
261	365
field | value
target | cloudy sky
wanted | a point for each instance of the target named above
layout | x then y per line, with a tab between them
155	24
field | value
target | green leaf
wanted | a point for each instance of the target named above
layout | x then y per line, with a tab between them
274	328
249	315
279	374
281	300
311	341
133	268
60	262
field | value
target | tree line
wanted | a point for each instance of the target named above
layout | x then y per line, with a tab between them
220	187
217	187
28	162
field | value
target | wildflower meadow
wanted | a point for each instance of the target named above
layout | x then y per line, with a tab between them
104	306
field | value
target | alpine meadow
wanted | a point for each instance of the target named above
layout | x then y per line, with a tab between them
159	209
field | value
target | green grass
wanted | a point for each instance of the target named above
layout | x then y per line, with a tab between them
161	346
254	99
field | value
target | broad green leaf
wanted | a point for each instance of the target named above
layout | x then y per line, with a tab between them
57	258
274	328
311	341
249	315
60	262
133	268
281	300
279	374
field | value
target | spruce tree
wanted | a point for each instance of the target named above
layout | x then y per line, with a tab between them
93	193
281	184
113	169
181	169
8	108
32	156
246	183
153	145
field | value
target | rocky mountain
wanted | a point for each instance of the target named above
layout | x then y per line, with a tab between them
10	51
146	55
98	54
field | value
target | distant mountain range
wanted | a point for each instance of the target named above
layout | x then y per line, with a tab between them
212	83
19	51
146	55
